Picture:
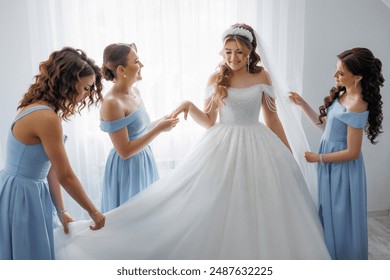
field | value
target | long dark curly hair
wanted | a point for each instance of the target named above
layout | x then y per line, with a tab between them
57	80
224	71
362	62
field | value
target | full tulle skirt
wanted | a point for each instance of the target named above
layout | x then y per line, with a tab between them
239	194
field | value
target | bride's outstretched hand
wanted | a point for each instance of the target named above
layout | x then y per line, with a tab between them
184	108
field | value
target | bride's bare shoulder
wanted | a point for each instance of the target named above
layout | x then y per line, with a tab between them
263	77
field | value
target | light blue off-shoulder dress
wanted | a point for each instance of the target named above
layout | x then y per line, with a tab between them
125	178
342	188
26	224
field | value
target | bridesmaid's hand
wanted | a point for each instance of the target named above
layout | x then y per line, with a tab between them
167	123
65	218
296	98
312	157
99	220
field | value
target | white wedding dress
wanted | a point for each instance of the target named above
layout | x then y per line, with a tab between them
239	194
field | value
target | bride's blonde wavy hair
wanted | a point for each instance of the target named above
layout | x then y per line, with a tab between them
224	72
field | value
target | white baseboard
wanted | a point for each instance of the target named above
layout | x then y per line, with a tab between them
380	213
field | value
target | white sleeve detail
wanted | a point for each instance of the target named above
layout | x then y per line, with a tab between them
270	97
270	103
268	90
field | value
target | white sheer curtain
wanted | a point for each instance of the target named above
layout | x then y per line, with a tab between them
1	157
178	42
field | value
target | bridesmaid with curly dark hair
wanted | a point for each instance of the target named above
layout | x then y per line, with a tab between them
36	162
353	107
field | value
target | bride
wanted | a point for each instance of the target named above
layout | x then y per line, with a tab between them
239	194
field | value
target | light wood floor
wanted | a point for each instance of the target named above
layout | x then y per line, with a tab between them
379	235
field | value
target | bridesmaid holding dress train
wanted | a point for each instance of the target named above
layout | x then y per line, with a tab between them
36	162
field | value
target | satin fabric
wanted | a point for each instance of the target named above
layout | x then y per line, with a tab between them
342	189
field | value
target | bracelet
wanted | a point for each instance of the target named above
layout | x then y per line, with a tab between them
321	159
62	211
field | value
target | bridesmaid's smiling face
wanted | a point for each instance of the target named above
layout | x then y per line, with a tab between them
134	65
344	77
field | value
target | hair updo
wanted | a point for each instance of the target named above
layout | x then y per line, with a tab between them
113	56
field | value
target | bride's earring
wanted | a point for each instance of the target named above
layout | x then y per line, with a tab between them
248	61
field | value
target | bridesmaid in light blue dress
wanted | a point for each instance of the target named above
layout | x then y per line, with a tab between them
25	197
342	188
130	166
36	162
353	107
124	178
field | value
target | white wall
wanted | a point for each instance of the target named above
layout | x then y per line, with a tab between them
332	26
15	57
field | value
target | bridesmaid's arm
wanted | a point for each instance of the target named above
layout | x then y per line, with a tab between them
48	129
352	152
56	196
311	115
112	110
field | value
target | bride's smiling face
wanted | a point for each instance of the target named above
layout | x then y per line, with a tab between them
235	55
